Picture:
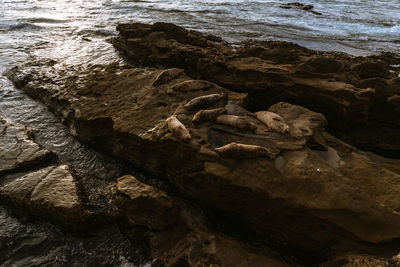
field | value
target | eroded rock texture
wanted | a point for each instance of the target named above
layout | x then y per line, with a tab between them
316	194
191	243
49	192
170	232
145	205
18	150
182	238
359	96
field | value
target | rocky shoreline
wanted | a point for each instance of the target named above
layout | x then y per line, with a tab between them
240	131
358	95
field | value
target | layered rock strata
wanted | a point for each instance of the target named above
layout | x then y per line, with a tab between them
310	191
359	95
173	235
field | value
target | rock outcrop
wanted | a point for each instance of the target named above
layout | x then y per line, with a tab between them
359	96
145	205
316	194
18	150
191	243
60	194
300	6
181	238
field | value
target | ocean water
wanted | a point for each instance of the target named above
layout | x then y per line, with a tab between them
76	29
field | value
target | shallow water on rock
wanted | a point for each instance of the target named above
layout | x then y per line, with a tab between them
30	242
52	134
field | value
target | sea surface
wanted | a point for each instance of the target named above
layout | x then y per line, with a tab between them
76	31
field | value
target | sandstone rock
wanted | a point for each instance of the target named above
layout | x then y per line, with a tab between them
47	192
145	205
331	83
371	69
191	243
18	150
323	64
318	195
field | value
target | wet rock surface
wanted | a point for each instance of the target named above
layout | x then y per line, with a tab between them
36	189
94	206
300	6
48	192
30	242
19	151
356	94
311	192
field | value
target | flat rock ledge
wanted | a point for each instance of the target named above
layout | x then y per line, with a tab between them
290	180
48	192
18	150
360	96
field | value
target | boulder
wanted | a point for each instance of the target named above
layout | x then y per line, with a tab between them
51	192
300	6
18	150
145	205
334	84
